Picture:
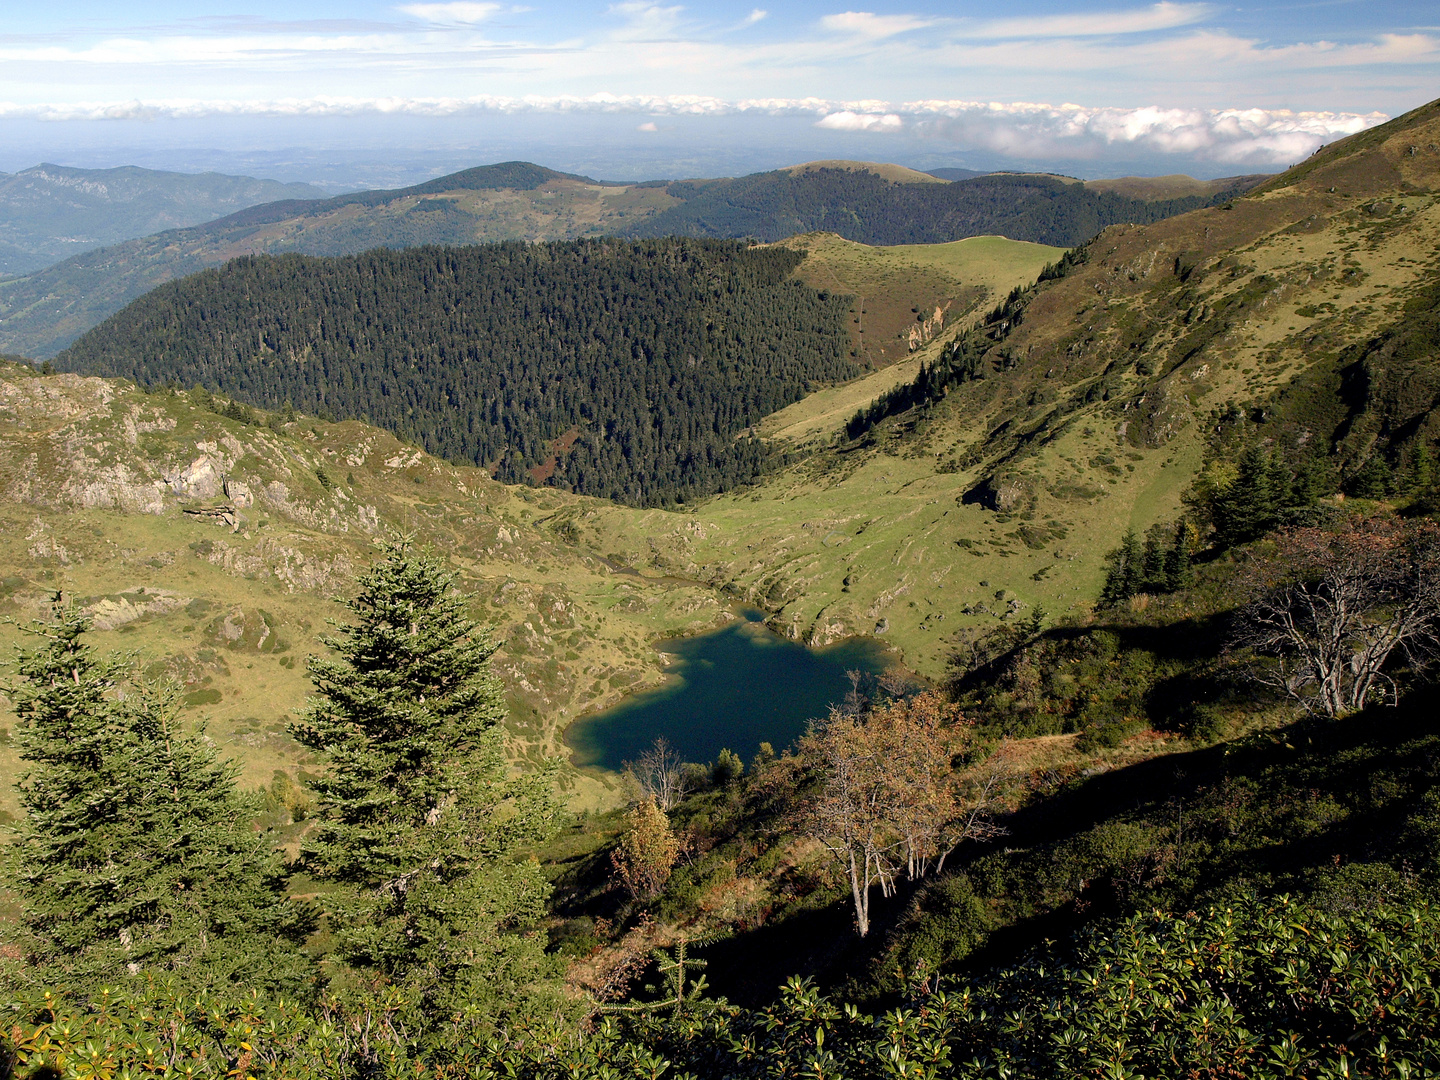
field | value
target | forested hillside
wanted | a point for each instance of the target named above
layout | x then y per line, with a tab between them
44	312
864	206
643	361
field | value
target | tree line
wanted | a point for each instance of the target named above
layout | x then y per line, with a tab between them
963	359
865	207
654	357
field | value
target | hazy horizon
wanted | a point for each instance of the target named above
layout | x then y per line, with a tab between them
372	94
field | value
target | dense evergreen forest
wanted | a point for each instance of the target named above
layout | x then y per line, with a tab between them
869	209
652	356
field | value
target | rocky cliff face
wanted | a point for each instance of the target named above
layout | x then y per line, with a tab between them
926	329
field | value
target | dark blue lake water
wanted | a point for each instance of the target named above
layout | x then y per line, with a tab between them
734	688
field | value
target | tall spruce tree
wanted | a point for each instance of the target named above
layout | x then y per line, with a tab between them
1422	467
1247	509
421	822
1124	571
136	854
1179	574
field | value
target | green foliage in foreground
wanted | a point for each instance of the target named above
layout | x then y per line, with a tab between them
137	853
1260	990
419	823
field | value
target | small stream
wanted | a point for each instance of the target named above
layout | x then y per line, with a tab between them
732	688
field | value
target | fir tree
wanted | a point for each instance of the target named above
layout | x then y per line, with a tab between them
1373	479
1422	467
1153	578
1125	571
71	734
1313	481
137	853
420	821
1246	509
1178	572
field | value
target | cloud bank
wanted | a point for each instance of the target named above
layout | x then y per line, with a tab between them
1021	130
1260	137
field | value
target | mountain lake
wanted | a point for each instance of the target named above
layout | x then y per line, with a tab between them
732	688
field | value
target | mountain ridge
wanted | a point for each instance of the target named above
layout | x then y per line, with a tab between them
49	212
41	314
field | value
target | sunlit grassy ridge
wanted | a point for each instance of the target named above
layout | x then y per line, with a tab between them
898	292
1091	418
898	174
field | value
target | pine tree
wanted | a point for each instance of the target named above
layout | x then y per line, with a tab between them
137	853
420	821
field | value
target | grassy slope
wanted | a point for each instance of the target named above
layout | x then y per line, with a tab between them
87	507
1175	186
897	289
1169	321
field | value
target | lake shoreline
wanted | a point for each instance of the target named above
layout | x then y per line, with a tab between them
730	687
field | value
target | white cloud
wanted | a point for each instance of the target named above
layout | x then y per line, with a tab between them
754	17
845	120
1260	137
646	21
1162	16
866	24
465	12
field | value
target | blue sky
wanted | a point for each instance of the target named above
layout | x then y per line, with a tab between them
343	92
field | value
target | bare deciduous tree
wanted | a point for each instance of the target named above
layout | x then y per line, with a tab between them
659	774
850	813
1330	609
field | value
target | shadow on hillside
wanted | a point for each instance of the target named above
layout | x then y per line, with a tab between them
1282	811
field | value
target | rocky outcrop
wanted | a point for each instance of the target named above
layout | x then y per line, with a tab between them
925	329
113	612
1004	493
113	487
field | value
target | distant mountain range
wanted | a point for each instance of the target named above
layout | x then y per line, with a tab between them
861	201
51	212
